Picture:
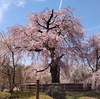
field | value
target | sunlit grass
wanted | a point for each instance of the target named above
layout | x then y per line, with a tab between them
42	97
82	95
69	95
87	98
24	94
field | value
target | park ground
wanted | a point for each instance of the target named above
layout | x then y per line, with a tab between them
69	95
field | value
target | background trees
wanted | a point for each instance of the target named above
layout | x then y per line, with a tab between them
31	75
54	35
91	55
90	52
79	73
8	60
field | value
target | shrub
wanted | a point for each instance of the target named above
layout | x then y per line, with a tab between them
42	97
56	92
4	95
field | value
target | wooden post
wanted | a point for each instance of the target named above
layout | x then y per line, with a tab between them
37	89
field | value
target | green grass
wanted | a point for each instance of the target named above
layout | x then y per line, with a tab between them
42	97
78	95
24	94
4	95
69	95
30	95
87	98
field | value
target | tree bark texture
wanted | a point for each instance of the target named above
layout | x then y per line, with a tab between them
55	72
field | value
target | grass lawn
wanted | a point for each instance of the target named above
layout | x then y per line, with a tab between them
79	94
24	94
69	95
42	97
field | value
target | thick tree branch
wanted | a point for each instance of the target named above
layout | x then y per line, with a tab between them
49	20
90	65
42	69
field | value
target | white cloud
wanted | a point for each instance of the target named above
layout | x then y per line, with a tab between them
20	3
4	6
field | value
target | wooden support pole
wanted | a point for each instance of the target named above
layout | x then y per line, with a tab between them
37	89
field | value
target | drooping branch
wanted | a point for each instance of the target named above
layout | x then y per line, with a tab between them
58	58
90	65
42	69
40	25
40	31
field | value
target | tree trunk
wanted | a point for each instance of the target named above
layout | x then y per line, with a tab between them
55	72
11	90
11	84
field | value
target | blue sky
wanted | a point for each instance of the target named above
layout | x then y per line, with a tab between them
13	11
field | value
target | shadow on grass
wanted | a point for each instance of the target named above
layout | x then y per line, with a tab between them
77	95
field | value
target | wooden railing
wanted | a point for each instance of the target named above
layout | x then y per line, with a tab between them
66	87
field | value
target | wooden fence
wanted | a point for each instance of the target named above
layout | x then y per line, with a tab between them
43	87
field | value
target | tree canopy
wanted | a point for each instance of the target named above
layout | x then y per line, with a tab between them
55	35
